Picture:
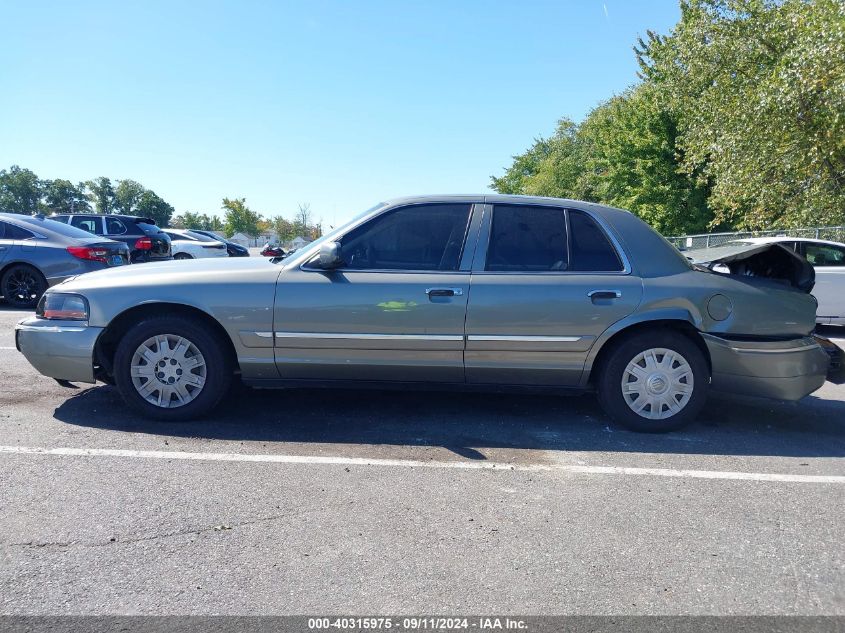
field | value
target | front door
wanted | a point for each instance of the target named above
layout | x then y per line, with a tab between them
393	311
546	283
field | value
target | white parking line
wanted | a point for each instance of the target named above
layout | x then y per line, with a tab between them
411	463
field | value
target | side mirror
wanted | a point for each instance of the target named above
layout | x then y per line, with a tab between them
330	255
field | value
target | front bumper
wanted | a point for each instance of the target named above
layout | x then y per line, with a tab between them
59	349
784	370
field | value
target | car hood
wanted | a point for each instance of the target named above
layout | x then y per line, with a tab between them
770	261
172	272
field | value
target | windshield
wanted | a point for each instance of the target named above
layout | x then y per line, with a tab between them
328	237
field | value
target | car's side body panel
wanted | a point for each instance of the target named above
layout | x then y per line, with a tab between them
238	294
291	321
370	325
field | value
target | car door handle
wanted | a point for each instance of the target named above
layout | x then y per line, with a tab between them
444	292
604	294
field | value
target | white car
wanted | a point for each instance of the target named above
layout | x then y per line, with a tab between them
828	259
186	244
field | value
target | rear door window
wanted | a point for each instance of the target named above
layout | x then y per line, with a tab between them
88	223
528	239
17	233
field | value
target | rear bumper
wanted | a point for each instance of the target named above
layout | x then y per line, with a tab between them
58	349
784	370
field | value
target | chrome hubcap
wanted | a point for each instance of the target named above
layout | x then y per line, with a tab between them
657	383
168	371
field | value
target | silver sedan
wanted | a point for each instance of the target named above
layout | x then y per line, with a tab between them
474	292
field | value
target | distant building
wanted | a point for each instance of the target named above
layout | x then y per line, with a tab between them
298	242
242	238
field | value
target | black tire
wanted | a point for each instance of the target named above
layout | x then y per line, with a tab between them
614	368
218	366
182	256
22	286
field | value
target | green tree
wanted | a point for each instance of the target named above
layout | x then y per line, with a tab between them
283	228
214	223
624	154
152	206
101	193
238	218
127	196
630	151
550	167
62	196
20	191
203	221
759	88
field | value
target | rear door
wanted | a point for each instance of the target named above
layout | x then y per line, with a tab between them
546	282
828	260
394	311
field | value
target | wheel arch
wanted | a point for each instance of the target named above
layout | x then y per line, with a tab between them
681	322
108	340
20	262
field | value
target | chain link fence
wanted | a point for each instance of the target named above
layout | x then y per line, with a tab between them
707	240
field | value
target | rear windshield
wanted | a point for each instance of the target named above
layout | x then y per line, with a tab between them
148	228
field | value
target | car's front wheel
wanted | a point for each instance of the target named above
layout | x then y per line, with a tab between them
171	368
654	382
22	286
182	256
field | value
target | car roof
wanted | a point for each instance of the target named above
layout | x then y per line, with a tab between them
493	198
120	216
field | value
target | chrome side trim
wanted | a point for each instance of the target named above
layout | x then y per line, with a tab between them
371	337
527	339
264	334
782	350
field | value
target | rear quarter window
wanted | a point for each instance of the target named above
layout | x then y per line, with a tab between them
591	250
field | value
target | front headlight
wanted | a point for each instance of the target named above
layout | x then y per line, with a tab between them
62	307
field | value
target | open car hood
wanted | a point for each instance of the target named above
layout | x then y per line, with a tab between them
760	261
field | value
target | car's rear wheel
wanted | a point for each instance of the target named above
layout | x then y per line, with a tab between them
654	382
22	286
182	256
171	368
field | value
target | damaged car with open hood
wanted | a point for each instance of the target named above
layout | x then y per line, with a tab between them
481	292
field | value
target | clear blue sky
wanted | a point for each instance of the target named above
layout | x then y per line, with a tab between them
340	104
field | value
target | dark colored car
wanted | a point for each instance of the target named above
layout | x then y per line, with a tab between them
234	249
36	253
146	241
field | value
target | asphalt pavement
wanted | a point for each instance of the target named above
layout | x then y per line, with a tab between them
343	502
